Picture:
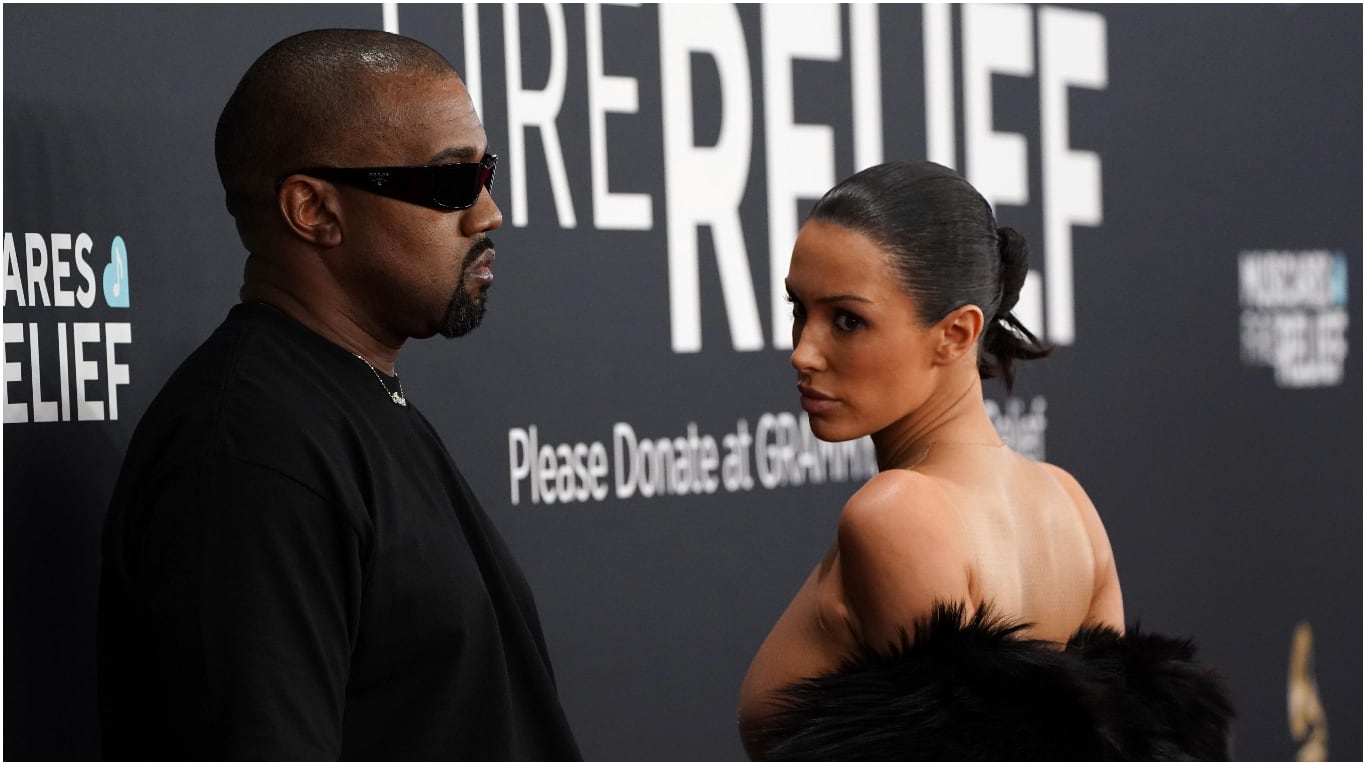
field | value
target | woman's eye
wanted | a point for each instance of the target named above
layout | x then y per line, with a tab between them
847	322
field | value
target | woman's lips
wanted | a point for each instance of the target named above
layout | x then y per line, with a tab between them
815	402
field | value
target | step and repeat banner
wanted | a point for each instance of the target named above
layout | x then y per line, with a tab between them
1189	177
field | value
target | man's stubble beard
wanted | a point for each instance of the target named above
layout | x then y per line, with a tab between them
465	311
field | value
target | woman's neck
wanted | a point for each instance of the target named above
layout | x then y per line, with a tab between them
957	416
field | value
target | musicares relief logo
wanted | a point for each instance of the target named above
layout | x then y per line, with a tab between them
1294	315
53	344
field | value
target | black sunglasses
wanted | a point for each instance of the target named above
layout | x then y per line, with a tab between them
454	186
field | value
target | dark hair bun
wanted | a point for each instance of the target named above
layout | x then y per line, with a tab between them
1014	267
1005	338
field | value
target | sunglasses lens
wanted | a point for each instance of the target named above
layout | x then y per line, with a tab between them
456	186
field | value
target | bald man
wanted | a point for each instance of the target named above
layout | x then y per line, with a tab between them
294	568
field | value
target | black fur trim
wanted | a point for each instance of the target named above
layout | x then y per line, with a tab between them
976	690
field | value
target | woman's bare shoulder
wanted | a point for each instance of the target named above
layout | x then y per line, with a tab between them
1064	478
1081	501
895	487
902	548
1107	605
898	507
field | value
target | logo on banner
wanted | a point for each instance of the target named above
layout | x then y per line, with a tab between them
1294	315
49	279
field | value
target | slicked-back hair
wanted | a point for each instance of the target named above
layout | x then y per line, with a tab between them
297	99
941	239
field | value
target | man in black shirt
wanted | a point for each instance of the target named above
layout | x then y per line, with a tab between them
294	569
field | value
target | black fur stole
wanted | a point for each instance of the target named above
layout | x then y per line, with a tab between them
975	690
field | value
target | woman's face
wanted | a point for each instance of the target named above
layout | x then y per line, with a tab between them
862	357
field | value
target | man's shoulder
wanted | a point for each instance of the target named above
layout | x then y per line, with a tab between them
252	390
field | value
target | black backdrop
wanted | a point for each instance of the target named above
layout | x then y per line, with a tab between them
1199	166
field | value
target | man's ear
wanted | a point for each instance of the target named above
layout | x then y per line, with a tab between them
311	210
957	333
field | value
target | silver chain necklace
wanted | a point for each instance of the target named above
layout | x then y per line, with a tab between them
396	397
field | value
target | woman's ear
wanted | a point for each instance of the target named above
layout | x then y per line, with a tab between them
958	333
311	210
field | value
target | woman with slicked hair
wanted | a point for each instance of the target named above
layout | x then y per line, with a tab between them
970	607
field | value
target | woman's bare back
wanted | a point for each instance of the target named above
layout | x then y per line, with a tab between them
968	523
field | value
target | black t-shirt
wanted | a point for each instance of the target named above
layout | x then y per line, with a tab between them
295	569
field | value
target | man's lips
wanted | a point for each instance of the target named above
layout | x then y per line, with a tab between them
482	267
